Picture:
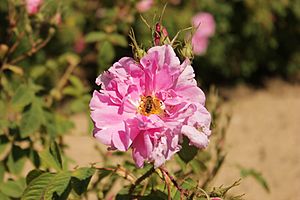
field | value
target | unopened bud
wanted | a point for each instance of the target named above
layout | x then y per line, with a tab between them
157	34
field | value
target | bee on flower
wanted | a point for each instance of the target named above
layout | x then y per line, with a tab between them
148	105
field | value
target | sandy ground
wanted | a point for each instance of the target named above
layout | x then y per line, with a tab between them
264	134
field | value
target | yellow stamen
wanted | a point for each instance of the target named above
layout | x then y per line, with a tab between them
150	105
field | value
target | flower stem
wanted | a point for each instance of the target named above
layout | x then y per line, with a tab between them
182	191
140	179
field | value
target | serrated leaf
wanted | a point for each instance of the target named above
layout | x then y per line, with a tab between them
95	37
81	179
55	152
256	175
104	173
187	152
33	174
35	190
48	161
83	173
11	189
32	119
23	96
57	186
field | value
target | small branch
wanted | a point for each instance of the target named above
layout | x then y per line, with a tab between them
33	49
167	179
140	179
121	172
16	44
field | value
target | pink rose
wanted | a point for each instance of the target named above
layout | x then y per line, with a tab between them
205	28
33	6
144	5
149	106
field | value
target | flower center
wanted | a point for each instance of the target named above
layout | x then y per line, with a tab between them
150	105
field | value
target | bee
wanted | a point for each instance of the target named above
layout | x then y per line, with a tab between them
148	104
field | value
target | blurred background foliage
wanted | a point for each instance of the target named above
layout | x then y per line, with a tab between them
49	61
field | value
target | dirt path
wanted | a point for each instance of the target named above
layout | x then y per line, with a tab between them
264	134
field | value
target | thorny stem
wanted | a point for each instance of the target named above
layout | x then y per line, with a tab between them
182	191
140	179
167	179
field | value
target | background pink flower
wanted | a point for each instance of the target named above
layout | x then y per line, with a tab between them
144	5
205	27
33	6
149	106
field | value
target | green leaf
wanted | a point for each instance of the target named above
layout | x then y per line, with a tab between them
11	189
198	166
48	161
3	125
83	173
76	82
16	160
106	54
5	146
33	174
35	190
58	186
187	152
2	171
55	152
95	37
57	124
71	91
81	179
256	175
3	108
118	39
3	196
188	184
22	97
32	119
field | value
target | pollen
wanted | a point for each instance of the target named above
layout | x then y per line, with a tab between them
150	105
